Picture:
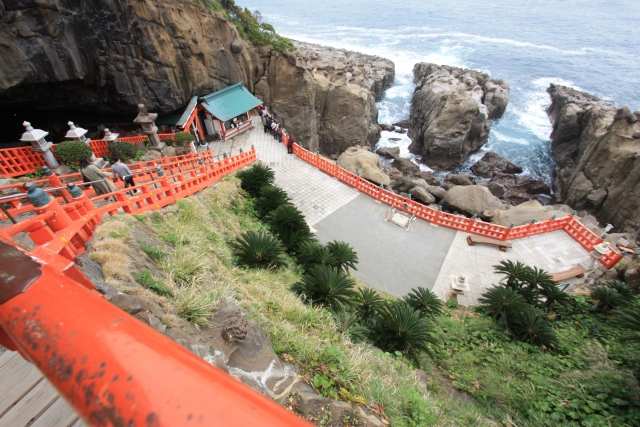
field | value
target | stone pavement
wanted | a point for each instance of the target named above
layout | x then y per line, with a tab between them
392	259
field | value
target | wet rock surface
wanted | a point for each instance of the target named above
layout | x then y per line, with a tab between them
596	153
450	112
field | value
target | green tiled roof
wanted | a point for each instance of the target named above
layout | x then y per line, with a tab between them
230	102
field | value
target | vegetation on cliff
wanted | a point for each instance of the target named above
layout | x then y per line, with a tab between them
477	376
250	25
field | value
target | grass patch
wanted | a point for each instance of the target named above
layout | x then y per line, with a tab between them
145	278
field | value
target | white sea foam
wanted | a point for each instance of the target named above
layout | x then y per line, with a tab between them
501	137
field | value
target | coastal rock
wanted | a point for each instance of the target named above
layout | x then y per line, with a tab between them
111	56
419	193
388	151
519	189
363	163
458	179
597	161
525	212
405	166
450	113
472	199
492	163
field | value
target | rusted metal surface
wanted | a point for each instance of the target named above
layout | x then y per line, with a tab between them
116	371
17	272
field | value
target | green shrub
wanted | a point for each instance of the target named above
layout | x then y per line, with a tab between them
532	326
183	139
271	198
259	249
400	328
254	178
70	152
344	255
606	298
348	323
145	278
629	319
425	301
125	150
367	303
287	218
327	286
502	303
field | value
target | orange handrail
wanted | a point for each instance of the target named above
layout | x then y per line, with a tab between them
581	234
113	369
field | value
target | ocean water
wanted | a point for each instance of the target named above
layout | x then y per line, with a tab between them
591	45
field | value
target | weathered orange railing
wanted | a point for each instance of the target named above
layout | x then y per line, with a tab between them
99	146
113	369
66	222
19	161
569	224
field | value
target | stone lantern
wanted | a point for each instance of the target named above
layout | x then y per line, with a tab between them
36	138
109	137
77	134
147	121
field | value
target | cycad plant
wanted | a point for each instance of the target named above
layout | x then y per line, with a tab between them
256	177
502	303
344	255
425	301
620	287
532	326
515	273
286	218
348	323
326	286
554	296
629	318
259	249
606	299
308	251
271	198
292	239
367	303
399	327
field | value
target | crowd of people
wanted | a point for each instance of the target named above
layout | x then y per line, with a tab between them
273	127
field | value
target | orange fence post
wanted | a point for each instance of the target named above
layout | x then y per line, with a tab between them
108	368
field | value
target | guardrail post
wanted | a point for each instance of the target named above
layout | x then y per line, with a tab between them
54	181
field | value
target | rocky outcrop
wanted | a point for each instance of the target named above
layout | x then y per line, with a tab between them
472	199
363	163
492	163
596	147
450	113
527	211
110	56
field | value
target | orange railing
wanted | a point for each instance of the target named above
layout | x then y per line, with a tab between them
19	161
113	369
569	224
66	223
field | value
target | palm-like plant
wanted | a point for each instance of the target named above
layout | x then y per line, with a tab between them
606	298
502	303
256	177
344	255
287	218
307	251
515	272
292	239
271	198
620	287
348	323
554	296
326	286
401	328
629	318
532	326
425	301
259	249
368	302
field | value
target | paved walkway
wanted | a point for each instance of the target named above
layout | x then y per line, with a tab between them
392	259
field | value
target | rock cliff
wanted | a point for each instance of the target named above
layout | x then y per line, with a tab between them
110	56
597	150
450	113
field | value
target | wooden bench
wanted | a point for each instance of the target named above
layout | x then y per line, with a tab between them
576	271
472	239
